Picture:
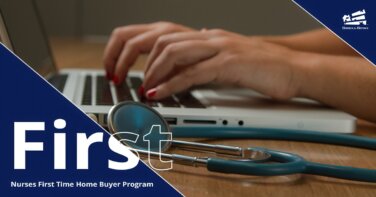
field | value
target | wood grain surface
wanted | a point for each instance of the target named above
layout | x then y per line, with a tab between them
191	181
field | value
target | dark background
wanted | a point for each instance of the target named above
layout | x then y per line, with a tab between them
96	18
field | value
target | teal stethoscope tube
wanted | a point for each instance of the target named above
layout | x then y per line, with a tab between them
130	116
275	134
294	164
287	163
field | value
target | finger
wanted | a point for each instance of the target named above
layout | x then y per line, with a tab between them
165	40
116	42
177	55
132	48
201	73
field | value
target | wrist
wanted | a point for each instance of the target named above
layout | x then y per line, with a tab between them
303	66
283	40
298	68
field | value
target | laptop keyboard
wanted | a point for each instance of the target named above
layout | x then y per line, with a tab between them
104	96
86	97
123	93
188	100
182	100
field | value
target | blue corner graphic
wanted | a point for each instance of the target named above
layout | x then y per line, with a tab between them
26	97
354	21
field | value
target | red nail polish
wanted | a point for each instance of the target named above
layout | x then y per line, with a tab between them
116	80
141	90
151	93
108	75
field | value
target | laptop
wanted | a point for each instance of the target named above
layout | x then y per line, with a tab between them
21	31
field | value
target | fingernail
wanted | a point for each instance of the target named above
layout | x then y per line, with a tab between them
151	93
108	75
116	80
141	90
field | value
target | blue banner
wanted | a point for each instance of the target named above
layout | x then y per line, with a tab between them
34	117
353	21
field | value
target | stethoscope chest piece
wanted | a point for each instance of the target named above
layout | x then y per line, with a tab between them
132	117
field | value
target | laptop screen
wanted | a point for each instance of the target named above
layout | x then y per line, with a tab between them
26	35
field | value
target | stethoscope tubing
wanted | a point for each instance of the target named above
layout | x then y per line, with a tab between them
287	163
341	172
275	134
277	163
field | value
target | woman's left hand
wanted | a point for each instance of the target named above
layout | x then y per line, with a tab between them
181	60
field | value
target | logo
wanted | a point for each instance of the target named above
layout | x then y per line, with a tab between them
355	21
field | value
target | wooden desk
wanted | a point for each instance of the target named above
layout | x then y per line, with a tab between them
199	182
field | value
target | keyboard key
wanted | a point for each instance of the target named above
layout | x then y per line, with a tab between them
169	102
104	96
150	103
189	101
136	82
123	92
86	97
58	81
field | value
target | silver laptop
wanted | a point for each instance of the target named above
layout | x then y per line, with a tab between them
210	105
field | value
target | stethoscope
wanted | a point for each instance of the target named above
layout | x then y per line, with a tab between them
137	117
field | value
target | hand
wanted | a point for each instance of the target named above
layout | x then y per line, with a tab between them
127	42
184	59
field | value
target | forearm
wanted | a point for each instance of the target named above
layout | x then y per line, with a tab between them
346	83
318	41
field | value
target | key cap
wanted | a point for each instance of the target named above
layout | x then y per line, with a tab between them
104	96
189	101
86	98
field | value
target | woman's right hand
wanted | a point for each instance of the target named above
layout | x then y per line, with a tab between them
128	42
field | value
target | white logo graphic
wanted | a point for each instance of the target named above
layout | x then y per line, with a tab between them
356	20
